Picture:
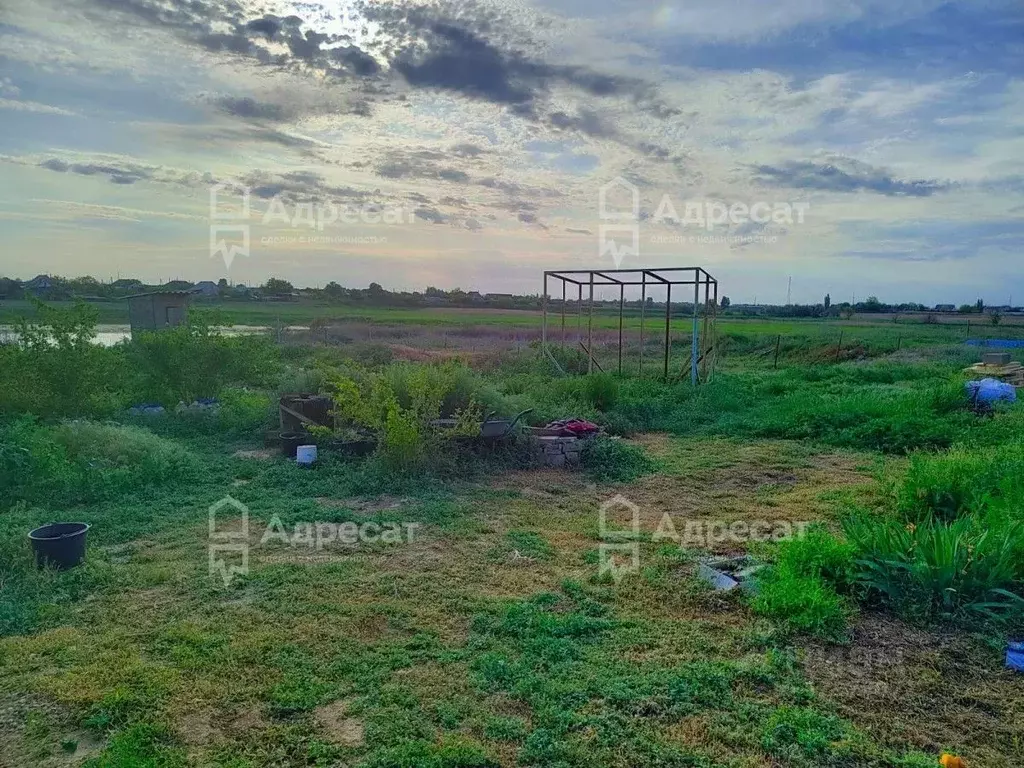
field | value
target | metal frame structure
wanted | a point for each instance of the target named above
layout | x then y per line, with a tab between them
702	346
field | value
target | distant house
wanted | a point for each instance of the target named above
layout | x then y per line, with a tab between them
945	307
127	284
40	284
206	289
157	310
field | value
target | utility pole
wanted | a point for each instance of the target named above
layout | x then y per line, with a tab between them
789	292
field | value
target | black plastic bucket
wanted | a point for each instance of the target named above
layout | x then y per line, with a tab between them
290	442
60	545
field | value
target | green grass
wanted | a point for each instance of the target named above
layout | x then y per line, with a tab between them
491	639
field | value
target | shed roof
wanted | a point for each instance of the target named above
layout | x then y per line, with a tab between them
189	292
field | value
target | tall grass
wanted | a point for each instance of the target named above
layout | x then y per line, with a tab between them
83	461
949	570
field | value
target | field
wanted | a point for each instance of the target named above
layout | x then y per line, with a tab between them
445	604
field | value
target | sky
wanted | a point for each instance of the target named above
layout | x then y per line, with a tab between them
859	147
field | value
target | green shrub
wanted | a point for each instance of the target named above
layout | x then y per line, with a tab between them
244	411
817	553
54	369
192	361
800	603
601	390
615	461
960	482
959	569
82	461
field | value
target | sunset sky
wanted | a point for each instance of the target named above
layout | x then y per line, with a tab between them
491	127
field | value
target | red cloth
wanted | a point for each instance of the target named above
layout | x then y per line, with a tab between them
574	427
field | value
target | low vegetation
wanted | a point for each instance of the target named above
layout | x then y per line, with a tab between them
493	639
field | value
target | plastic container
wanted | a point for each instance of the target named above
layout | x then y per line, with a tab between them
290	442
59	545
305	454
1015	655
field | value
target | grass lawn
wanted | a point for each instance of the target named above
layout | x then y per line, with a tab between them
492	636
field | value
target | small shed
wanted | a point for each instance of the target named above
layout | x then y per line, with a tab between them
156	310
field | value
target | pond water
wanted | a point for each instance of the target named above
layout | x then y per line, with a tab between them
109	335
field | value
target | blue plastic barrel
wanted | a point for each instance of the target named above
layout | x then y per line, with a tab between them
1015	655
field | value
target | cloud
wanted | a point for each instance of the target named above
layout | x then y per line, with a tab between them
123	173
431	214
420	164
859	177
932	240
247	107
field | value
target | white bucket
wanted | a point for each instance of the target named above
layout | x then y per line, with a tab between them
305	454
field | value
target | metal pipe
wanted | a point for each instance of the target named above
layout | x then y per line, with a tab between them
590	328
668	319
622	298
643	311
563	313
579	312
544	316
694	341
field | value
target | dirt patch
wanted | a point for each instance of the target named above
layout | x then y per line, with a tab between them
542	483
364	506
196	729
336	723
244	722
938	691
40	732
261	454
756	480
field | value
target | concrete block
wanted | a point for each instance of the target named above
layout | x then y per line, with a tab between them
996	358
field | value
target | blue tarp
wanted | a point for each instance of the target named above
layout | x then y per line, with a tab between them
988	391
1005	343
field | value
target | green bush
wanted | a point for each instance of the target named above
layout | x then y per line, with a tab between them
933	568
601	390
961	482
817	553
54	369
615	461
83	461
192	361
800	603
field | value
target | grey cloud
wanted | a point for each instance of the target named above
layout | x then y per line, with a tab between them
245	106
587	122
461	46
297	186
467	150
124	174
420	164
856	178
431	215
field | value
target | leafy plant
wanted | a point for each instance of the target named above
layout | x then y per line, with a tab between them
937	568
615	461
